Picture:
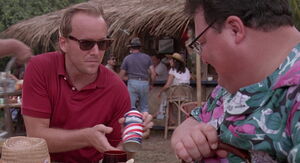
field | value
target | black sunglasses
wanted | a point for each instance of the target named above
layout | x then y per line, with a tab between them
89	44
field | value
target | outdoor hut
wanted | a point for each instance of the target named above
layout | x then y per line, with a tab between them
151	20
147	19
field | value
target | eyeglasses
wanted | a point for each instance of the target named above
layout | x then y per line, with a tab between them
195	45
89	44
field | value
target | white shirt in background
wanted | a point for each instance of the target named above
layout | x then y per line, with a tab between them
183	78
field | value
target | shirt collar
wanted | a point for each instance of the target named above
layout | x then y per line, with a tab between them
61	65
289	71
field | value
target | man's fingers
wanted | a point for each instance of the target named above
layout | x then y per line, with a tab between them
108	130
147	121
211	134
104	129
182	153
111	148
148	126
146	133
147	117
100	141
105	146
222	153
193	149
121	120
201	144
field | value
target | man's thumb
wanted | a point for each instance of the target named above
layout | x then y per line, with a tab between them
107	130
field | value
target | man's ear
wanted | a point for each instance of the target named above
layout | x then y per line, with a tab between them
237	27
62	43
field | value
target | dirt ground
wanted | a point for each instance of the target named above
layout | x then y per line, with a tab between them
156	149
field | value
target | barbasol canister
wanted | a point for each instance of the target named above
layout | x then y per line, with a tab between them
133	131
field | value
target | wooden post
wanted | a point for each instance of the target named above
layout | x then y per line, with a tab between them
7	117
8	121
198	77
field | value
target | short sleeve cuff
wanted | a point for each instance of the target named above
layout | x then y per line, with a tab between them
195	114
36	114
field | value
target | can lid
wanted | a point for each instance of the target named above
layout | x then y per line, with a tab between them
132	146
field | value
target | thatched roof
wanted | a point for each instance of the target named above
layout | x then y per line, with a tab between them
137	17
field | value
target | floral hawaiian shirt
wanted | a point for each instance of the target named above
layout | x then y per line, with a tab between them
263	118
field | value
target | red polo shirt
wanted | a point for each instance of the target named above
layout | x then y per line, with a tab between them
47	93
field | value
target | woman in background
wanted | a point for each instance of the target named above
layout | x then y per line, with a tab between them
178	75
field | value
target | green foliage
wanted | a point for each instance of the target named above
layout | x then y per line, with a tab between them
13	11
295	5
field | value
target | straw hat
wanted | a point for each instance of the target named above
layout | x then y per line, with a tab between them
23	149
176	56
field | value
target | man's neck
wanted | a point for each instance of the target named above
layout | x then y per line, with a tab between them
272	50
79	79
267	51
135	51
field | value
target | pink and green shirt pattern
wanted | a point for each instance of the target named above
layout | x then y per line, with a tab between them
263	118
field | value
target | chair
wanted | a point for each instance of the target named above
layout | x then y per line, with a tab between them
177	95
186	108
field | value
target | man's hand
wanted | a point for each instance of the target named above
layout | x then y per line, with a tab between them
13	47
23	53
148	124
193	141
97	139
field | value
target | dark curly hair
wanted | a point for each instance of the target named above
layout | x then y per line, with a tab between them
178	66
264	15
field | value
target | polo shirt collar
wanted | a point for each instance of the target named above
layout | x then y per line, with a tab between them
102	77
61	65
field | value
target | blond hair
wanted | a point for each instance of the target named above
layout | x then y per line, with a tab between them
94	9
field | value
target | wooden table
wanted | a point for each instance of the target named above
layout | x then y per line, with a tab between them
15	93
12	105
7	114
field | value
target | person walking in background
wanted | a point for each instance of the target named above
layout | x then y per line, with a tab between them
178	75
111	63
140	72
161	72
69	98
255	49
15	48
160	69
